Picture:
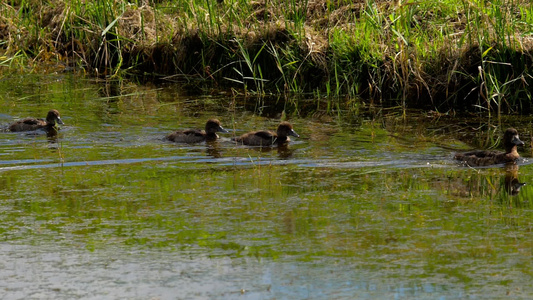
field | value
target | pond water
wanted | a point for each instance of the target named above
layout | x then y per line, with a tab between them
365	204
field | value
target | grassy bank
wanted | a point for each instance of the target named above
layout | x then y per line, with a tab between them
450	54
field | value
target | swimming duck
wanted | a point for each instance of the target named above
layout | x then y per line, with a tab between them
196	135
487	158
31	124
268	138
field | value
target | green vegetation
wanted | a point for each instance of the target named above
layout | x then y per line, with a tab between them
458	54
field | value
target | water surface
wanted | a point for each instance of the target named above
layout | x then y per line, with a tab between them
366	204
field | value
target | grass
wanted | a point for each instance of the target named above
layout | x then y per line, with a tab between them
446	55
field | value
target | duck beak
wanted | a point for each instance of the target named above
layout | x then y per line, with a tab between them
59	121
515	188
221	129
516	140
518	185
293	133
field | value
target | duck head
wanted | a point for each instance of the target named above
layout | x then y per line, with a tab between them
511	139
213	126
53	117
285	129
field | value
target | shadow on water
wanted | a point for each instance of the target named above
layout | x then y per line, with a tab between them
362	206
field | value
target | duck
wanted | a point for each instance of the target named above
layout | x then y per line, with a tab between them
268	138
479	158
196	135
31	124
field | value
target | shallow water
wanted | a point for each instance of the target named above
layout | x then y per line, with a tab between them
365	204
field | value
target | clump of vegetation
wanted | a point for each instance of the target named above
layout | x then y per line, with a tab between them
447	54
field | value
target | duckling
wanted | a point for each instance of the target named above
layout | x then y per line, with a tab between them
268	138
196	135
487	158
31	124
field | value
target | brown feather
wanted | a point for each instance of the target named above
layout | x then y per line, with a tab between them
196	135
486	158
31	124
267	138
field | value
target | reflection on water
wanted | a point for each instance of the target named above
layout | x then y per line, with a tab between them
213	149
283	151
169	275
52	133
371	208
512	184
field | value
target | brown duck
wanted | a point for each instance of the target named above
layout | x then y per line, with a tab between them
31	124
487	158
196	135
268	138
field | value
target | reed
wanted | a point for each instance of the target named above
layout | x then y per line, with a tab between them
410	53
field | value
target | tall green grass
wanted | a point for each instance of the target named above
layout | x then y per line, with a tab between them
409	53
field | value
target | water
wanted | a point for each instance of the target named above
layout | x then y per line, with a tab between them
364	205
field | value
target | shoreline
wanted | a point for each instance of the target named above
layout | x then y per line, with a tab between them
455	55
